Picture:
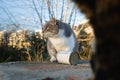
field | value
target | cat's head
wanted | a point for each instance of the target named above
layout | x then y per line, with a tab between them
50	28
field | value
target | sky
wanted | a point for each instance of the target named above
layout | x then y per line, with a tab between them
22	13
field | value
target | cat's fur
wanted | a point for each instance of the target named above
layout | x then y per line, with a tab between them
60	38
104	16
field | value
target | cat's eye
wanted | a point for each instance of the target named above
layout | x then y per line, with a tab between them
47	29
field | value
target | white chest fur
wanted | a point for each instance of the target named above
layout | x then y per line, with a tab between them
62	43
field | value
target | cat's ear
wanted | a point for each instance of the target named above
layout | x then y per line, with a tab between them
54	20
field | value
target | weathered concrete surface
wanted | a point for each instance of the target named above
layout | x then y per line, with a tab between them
40	71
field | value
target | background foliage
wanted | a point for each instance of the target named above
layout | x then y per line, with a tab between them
25	46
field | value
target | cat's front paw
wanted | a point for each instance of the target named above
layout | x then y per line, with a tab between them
53	59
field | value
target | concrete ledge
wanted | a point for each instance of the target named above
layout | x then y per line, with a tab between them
44	71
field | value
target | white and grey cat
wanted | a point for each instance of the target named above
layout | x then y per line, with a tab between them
60	38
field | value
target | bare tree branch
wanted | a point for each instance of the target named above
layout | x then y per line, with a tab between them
52	10
74	20
9	16
66	11
71	14
49	9
40	16
56	8
62	11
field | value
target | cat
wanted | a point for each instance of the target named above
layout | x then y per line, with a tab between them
104	17
60	38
